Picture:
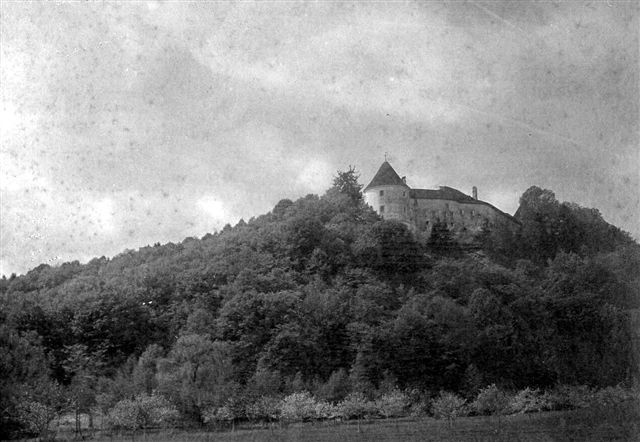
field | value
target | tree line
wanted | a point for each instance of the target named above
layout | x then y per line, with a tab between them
322	295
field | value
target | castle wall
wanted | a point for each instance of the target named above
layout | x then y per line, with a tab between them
458	216
391	202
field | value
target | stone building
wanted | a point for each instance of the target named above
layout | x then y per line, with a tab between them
421	209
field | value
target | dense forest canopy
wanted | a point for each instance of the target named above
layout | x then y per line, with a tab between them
321	294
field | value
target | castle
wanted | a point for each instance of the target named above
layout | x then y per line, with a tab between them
421	209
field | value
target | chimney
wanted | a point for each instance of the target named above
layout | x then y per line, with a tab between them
404	179
475	192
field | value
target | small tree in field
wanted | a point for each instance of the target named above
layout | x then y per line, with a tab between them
393	403
356	406
298	407
142	412
528	401
491	400
36	411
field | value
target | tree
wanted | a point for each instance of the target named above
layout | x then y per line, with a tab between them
144	373
347	184
441	239
24	383
83	368
389	247
143	411
196	374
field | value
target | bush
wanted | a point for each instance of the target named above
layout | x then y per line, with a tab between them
298	407
491	400
123	415
528	401
448	406
326	410
569	397
36	417
217	415
142	412
392	404
611	396
266	408
356	406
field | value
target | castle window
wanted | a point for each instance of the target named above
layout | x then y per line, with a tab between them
381	208
382	193
404	193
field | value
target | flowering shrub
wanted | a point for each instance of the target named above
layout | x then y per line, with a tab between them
123	415
491	400
265	408
218	415
155	410
142	412
393	403
356	406
298	407
448	406
528	401
36	416
326	410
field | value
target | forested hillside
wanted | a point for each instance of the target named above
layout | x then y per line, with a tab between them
322	295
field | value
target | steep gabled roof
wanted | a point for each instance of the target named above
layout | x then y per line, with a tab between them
386	176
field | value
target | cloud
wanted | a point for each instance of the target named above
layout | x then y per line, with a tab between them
126	124
314	175
213	207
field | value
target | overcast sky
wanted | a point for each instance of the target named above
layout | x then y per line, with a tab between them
125	124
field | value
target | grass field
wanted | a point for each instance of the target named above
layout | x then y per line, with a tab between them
579	425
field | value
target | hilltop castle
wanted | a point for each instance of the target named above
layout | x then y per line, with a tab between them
421	209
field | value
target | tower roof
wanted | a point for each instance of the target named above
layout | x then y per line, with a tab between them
386	176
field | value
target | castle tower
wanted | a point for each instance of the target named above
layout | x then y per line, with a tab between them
388	194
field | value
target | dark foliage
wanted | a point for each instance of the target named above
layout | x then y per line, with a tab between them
321	293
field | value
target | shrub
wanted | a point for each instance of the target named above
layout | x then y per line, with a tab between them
217	415
36	417
568	397
528	401
298	407
326	410
155	410
392	404
356	406
491	400
123	415
265	408
611	396
142	412
448	406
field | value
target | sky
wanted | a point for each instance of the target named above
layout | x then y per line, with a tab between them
125	124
